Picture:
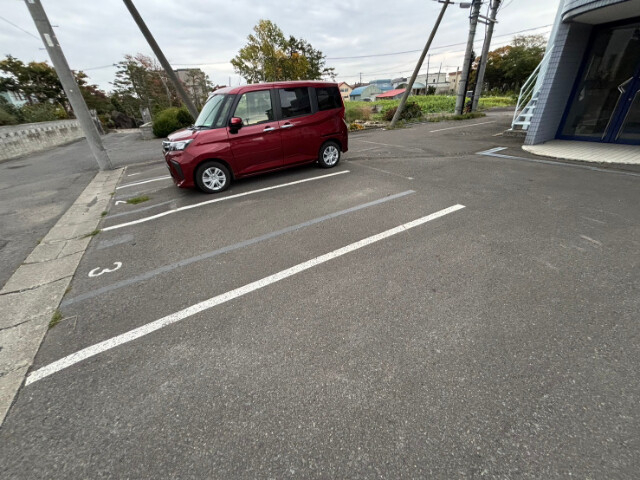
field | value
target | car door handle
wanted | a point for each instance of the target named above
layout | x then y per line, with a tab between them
269	129
287	125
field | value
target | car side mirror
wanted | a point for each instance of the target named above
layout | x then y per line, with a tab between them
235	124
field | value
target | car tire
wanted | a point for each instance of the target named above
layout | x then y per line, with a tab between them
329	155
212	177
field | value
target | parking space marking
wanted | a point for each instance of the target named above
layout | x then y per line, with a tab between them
144	330
215	200
384	171
188	261
133	184
493	153
461	126
96	272
137	210
388	145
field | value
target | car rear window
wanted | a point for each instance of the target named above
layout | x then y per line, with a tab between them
328	98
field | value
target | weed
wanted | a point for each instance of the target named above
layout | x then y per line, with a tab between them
137	200
92	234
55	319
104	213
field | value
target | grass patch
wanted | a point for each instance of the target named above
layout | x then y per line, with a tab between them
55	319
137	200
92	234
104	213
429	104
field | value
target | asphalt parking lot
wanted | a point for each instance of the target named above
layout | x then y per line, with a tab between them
419	311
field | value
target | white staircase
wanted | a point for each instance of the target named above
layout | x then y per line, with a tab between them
528	98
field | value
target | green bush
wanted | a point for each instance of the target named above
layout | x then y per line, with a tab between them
411	111
6	118
42	112
170	120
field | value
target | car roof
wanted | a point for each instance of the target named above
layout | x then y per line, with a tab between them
262	86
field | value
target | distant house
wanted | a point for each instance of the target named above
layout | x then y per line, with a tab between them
14	98
195	82
438	81
385	84
345	91
454	81
366	93
417	89
391	94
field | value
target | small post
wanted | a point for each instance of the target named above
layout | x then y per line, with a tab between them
466	66
162	59
407	92
69	84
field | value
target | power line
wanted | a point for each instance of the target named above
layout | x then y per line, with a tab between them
20	28
434	48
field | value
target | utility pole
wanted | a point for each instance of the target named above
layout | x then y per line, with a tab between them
69	84
428	65
466	66
161	58
495	5
407	92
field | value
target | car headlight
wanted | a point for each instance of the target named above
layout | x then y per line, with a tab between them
176	146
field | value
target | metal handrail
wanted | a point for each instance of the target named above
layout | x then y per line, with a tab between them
528	89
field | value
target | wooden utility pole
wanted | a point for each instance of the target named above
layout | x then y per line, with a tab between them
69	84
407	92
495	5
161	58
466	66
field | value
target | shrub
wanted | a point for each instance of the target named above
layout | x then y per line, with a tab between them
6	118
411	110
42	112
355	112
170	120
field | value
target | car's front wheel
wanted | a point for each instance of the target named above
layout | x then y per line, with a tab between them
212	177
329	155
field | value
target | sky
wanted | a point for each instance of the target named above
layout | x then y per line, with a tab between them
208	33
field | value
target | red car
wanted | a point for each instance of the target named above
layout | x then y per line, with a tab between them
247	130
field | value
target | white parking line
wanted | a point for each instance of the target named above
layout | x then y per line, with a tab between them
187	207
157	179
136	333
461	126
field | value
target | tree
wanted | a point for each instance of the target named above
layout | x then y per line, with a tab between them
140	82
269	56
509	67
39	84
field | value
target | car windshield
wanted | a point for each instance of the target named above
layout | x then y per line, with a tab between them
214	112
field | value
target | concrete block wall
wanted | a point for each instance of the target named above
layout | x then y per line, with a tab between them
570	45
18	140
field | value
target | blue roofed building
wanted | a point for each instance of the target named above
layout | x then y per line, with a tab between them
366	93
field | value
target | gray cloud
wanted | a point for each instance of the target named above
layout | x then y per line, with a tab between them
209	33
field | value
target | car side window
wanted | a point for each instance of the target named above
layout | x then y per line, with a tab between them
294	102
255	107
328	98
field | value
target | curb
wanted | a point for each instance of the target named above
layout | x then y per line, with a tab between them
34	291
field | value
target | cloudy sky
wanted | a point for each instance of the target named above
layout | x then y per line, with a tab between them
208	33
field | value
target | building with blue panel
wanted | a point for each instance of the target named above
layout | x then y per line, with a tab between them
588	85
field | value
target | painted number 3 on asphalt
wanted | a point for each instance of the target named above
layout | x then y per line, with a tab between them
96	272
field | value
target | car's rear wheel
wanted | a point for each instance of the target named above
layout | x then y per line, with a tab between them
329	155
212	177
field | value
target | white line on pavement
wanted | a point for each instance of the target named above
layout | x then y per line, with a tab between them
136	333
461	126
387	144
157	179
186	207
